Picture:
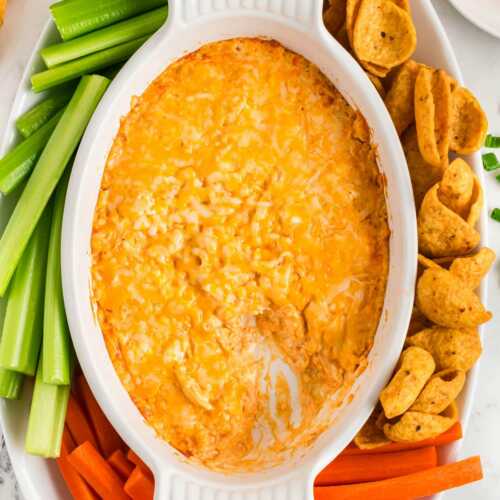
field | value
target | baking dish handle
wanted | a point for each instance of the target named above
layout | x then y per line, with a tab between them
177	487
304	13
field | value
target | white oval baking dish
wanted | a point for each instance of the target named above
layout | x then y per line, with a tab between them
298	25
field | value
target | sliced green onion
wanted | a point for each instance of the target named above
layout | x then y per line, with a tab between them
490	162
84	65
22	328
495	214
74	18
56	350
11	384
18	163
492	141
38	115
123	32
47	172
46	418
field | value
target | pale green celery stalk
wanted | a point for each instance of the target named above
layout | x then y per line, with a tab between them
123	32
11	384
85	65
22	328
18	163
46	418
56	349
46	174
74	18
41	113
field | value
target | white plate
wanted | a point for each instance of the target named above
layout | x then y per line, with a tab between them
485	14
39	478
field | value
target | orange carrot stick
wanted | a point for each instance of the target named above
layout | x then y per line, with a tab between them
107	437
363	468
139	485
90	464
77	486
137	460
121	464
78	425
454	433
67	444
421	484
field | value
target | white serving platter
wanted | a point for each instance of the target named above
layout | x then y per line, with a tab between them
485	14
38	478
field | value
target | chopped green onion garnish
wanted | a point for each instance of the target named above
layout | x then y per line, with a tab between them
490	162
495	214
492	141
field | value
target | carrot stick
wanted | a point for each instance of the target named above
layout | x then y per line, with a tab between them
454	433
363	468
78	425
139	485
67	443
90	464
420	484
122	466
78	488
137	460
107	437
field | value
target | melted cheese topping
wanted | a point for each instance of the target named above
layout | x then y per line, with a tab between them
241	213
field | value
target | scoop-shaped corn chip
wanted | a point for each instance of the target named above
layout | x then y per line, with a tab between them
416	367
451	412
433	115
352	9
418	322
334	15
442	232
472	268
375	69
400	97
444	299
423	175
415	426
427	263
370	435
468	122
383	34
341	37
456	188
452	349
441	390
377	84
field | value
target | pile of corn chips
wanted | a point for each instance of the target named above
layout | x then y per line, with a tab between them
434	116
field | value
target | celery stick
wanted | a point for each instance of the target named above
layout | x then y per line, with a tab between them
112	71
22	328
56	350
38	115
18	163
46	418
85	65
74	18
123	32
49	169
11	384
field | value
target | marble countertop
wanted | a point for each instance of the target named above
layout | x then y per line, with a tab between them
478	54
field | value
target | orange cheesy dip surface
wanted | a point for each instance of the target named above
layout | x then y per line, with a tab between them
239	252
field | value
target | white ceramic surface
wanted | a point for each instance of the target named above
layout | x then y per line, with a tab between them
37	477
483	13
298	25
